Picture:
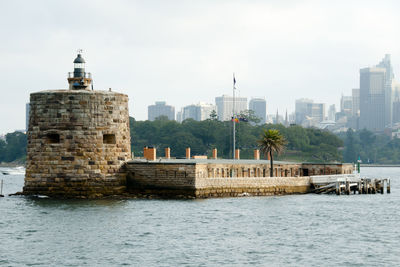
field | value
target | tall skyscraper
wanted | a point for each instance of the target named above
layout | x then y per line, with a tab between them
386	64
316	111
259	106
372	98
198	112
160	109
355	94
225	106
301	109
331	113
396	103
346	105
179	116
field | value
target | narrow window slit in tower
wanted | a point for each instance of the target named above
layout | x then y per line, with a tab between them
109	139
53	138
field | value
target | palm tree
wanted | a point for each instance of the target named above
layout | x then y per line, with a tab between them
271	141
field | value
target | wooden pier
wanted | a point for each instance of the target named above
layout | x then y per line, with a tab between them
348	184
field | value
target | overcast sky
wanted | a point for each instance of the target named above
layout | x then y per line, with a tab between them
185	52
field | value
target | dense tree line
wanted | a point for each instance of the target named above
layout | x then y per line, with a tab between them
370	147
304	144
13	147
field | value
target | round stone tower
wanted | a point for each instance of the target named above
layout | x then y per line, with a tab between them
77	140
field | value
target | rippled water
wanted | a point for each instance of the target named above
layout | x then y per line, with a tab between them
299	230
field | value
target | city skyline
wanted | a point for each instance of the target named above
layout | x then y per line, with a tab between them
186	53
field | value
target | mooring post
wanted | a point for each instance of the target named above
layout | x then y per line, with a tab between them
388	186
1	188
337	188
347	187
362	186
374	187
369	187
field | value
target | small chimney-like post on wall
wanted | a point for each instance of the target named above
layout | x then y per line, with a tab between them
150	153
256	154
237	153
188	153
214	153
167	153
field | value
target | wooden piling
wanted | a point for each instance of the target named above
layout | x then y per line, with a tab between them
337	188
373	187
388	186
347	190
1	188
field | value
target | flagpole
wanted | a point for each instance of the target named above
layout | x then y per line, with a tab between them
233	118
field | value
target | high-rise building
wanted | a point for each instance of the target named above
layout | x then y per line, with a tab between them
316	111
309	113
386	64
355	93
346	105
27	110
396	103
331	112
301	109
259	106
225	106
179	116
372	98
198	112
161	109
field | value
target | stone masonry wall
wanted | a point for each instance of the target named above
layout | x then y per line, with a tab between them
211	180
77	142
159	178
254	186
327	169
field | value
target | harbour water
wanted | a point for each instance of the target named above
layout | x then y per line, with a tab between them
296	230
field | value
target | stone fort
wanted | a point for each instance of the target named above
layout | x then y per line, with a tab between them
79	146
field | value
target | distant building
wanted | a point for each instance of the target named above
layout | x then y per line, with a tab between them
259	106
396	103
372	98
198	112
161	109
355	93
388	89
225	106
396	111
331	113
316	111
301	109
27	109
308	113
179	116
346	105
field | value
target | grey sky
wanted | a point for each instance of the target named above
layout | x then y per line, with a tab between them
184	52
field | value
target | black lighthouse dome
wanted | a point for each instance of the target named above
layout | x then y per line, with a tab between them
79	66
79	59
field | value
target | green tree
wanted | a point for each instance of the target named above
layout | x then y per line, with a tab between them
213	115
272	141
249	116
350	155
